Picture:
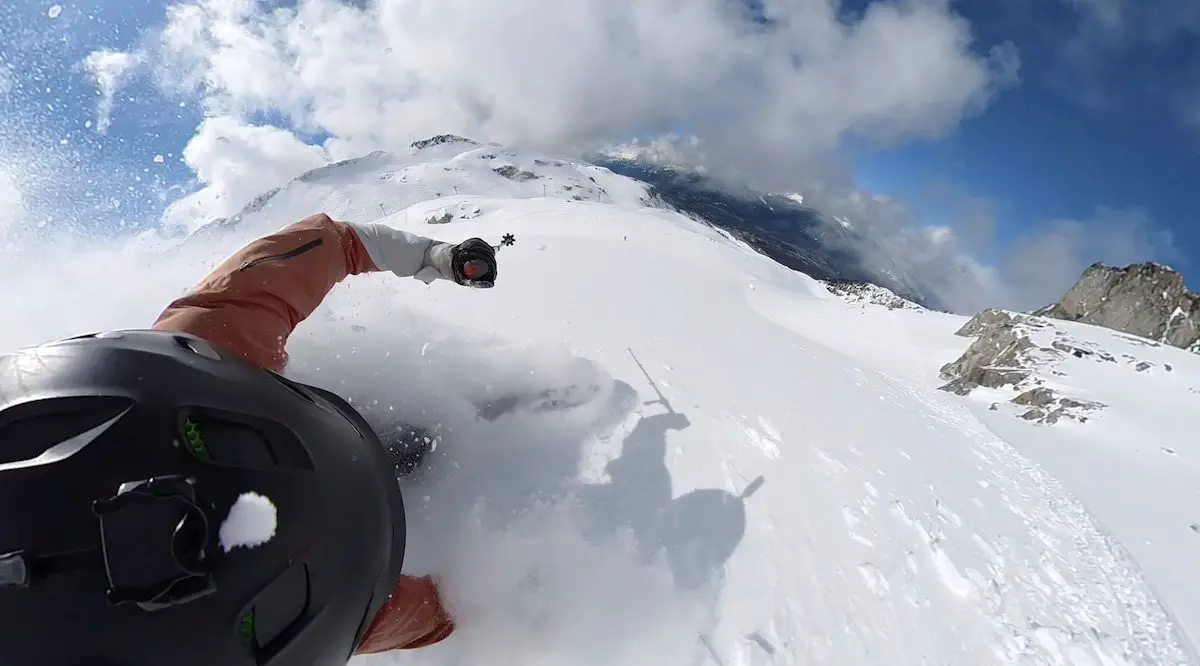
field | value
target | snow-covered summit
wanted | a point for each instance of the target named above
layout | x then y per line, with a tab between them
454	170
442	139
457	171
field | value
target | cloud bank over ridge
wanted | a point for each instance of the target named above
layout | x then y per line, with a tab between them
765	94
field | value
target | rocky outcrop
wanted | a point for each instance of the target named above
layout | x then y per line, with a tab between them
513	173
464	210
865	292
995	359
440	139
1005	355
1147	300
1047	407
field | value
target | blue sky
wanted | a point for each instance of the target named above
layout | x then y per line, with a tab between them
100	181
1105	117
1097	121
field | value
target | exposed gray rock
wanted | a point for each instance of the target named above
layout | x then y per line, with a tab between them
1081	352
260	202
863	292
983	321
442	138
994	359
1004	355
1035	397
1146	299
1035	414
1079	404
444	218
1048	408
513	173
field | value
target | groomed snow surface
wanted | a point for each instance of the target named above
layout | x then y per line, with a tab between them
733	466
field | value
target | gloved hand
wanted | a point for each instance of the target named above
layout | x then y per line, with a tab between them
473	263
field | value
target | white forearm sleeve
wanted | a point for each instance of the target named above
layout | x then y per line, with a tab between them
403	253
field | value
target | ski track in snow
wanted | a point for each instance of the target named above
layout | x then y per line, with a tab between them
649	470
1081	623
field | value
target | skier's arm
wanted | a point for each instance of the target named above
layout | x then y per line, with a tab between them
252	302
412	617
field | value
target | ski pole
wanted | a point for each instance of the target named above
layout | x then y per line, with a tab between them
507	240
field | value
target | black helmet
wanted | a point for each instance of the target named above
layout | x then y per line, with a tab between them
121	455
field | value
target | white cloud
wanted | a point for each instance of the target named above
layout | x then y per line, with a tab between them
940	235
765	102
237	162
931	262
945	263
962	266
110	69
770	100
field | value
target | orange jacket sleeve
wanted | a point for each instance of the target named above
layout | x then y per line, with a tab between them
251	303
412	617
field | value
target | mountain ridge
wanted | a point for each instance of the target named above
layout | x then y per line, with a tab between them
779	226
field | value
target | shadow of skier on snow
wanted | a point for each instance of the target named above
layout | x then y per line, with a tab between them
696	532
499	458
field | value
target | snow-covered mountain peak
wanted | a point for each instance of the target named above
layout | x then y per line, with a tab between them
442	139
441	167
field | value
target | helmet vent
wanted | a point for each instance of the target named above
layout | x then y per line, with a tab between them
213	439
275	609
241	440
198	346
47	431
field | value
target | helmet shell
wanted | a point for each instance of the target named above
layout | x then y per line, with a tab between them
152	404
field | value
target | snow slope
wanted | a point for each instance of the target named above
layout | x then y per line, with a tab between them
710	459
1135	463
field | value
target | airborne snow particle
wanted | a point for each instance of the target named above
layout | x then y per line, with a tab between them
159	159
54	11
251	522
